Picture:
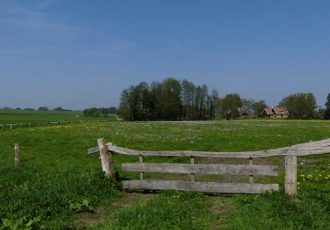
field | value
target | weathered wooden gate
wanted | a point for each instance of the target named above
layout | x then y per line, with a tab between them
290	153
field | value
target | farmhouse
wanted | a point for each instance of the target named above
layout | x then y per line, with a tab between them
267	113
277	112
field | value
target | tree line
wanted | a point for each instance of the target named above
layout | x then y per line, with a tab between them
100	112
172	99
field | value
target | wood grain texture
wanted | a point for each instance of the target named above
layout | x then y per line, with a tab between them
16	155
206	169
310	148
290	185
106	158
212	187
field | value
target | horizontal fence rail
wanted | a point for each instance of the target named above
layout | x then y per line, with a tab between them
203	169
35	124
211	187
310	148
106	151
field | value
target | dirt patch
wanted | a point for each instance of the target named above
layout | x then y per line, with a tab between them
103	214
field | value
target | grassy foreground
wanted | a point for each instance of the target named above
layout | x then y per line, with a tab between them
57	180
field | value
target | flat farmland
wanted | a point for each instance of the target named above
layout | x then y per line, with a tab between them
58	185
38	118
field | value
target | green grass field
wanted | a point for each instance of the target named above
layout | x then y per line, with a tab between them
35	117
58	185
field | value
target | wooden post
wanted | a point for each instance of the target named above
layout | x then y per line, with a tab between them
192	176
16	155
251	180
291	175
141	162
106	159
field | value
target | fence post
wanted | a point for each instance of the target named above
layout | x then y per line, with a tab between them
251	179
16	147
192	161
290	175
141	158
106	159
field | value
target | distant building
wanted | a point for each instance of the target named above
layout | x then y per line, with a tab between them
277	112
267	113
244	113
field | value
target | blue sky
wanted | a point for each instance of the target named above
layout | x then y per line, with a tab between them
82	53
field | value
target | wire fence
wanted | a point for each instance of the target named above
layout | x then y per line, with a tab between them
7	126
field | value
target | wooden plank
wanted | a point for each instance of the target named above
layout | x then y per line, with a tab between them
251	180
16	147
290	176
245	155
106	159
208	169
200	186
93	150
192	176
141	162
311	148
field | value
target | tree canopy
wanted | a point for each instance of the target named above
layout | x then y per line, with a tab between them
327	108
168	100
99	112
300	105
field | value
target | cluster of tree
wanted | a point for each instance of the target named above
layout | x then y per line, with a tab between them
327	108
41	108
180	100
100	112
253	107
59	108
300	105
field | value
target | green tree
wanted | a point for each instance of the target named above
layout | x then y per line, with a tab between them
124	109
258	107
230	105
327	108
247	105
187	98
214	104
300	105
43	108
170	99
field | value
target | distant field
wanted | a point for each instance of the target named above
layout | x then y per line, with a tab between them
13	116
60	186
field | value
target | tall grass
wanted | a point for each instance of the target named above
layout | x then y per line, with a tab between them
171	210
47	197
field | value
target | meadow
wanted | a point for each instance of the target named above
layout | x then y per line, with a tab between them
39	118
59	186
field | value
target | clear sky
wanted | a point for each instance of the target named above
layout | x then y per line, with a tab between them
83	53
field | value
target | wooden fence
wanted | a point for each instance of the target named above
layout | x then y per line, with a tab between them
35	124
107	150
